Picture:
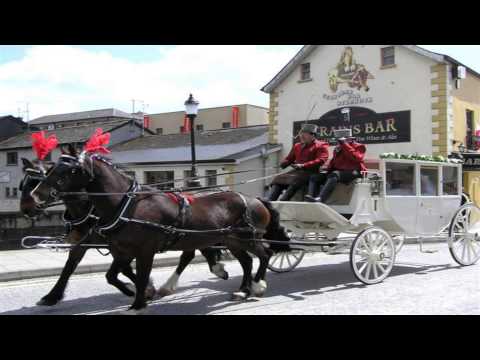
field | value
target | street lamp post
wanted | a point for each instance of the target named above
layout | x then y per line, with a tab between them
191	109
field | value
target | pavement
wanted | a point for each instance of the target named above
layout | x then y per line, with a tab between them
38	263
420	284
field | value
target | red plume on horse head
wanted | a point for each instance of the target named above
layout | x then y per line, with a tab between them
43	145
97	142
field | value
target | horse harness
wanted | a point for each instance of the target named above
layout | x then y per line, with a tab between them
176	230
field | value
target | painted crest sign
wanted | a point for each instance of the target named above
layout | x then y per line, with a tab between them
349	72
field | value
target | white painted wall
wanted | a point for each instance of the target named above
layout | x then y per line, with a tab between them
404	87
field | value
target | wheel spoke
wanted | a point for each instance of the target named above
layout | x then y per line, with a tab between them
367	275
288	260
281	261
475	254
463	251
382	245
382	269
375	273
362	268
275	259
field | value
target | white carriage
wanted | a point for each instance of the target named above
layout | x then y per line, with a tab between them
370	218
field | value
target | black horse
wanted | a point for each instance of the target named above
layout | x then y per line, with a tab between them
142	223
80	219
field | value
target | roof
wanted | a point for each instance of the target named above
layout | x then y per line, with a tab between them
14	119
212	108
216	145
64	135
83	115
308	49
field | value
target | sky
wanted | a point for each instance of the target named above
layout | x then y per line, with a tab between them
56	79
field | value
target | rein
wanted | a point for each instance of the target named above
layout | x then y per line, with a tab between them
182	189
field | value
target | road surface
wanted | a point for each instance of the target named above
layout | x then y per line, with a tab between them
321	284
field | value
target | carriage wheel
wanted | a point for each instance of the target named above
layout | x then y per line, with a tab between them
285	261
372	255
464	235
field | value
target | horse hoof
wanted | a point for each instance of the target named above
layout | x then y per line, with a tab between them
47	302
259	288
239	296
150	292
219	271
162	292
133	311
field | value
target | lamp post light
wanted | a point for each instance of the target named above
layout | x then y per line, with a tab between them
191	109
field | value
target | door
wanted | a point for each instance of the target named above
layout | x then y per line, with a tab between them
430	206
401	194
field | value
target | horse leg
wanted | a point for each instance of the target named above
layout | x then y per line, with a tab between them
246	263
57	292
171	284
259	285
144	268
112	277
216	268
128	272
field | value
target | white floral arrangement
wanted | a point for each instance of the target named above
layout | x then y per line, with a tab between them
436	158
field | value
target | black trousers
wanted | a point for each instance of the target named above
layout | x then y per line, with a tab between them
329	180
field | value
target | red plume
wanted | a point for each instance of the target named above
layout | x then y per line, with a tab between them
43	145
97	142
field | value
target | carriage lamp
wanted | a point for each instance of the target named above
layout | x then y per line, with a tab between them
461	148
191	109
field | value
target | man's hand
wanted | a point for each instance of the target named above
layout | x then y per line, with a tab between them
297	166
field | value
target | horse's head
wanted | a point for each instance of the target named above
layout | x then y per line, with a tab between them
34	172
69	174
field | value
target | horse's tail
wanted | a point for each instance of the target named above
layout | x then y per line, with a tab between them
274	230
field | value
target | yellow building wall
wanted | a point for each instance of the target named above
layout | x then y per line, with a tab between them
460	119
471	185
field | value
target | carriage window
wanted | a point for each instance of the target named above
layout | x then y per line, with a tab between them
429	181
400	179
450	180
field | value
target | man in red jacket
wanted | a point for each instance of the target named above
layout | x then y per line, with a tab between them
346	165
306	157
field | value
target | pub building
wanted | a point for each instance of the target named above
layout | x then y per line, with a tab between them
395	98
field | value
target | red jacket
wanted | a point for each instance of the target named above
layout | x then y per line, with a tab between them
350	157
311	156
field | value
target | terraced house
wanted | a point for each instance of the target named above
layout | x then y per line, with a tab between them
396	98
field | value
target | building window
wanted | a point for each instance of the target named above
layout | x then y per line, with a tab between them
131	174
470	132
199	127
187	174
48	157
388	56
159	131
305	71
7	192
162	180
226	125
12	158
212	177
15	192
